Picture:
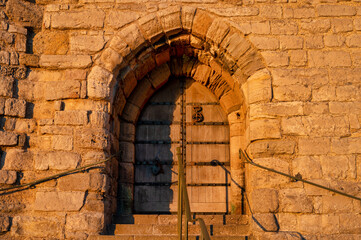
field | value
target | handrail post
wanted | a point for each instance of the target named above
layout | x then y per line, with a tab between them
180	196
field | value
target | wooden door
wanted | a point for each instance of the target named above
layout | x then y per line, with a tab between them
206	138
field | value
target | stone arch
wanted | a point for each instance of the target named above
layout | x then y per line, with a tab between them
183	41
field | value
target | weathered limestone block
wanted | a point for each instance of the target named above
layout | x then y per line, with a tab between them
132	36
262	110
30	60
2	105
100	119
265	128
342	25
338	167
354	41
56	130
71	117
202	73
111	61
117	18
62	142
187	17
15	107
82	182
51	43
335	10
287	221
7	177
264	200
310	223
346	145
314	42
230	101
217	31
170	19
4	224
298	57
235	44
90	18
127	131
20	43
62	89
291	42
350	223
259	177
5	57
292	93
276	59
85	222
18	160
265	43
48	227
141	93
201	23
56	160
8	138
151	27
295	200
336	204
314	146
308	167
65	61
59	201
258	87
6	86
316	125
329	58
29	14
86	44
91	138
284	27
159	76
267	221
285	77
271	147
99	81
145	63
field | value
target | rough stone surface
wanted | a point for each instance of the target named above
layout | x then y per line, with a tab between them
59	201
81	19
15	107
7	177
8	138
51	43
86	44
56	160
65	61
62	90
265	200
6	86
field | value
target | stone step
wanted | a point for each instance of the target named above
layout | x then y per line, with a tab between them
173	219
157	237
171	229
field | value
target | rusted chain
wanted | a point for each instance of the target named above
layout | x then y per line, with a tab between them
62	174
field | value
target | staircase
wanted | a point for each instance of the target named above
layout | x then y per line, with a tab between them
164	227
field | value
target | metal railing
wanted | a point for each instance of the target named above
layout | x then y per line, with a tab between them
243	155
184	206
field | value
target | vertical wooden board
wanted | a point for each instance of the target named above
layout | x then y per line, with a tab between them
160	113
163	152
207	153
158	132
153	198
207	133
205	174
143	173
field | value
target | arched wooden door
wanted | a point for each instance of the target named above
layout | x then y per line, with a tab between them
204	136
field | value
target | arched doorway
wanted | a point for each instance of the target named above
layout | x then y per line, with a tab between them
183	113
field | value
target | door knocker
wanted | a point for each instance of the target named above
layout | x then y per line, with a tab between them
156	167
197	115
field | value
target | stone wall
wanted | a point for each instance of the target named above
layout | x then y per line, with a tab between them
69	96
